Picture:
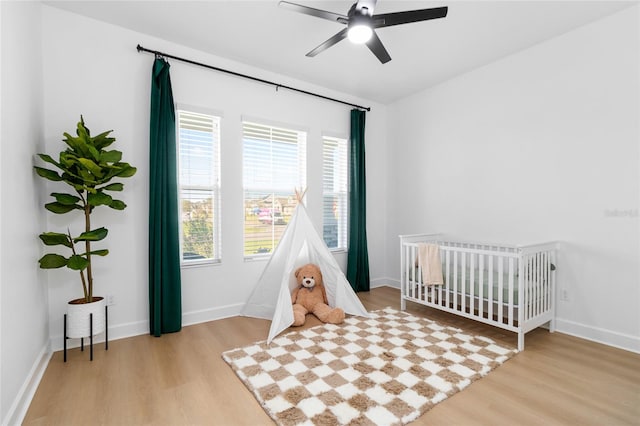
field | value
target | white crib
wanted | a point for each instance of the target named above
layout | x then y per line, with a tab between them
511	287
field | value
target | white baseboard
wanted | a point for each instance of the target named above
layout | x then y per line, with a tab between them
599	335
384	282
21	403
212	314
137	328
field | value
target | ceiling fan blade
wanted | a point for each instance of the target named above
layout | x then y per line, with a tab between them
375	45
327	44
369	4
397	18
335	17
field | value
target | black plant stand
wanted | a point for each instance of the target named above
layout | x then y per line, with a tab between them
106	334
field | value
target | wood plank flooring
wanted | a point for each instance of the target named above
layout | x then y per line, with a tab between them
181	379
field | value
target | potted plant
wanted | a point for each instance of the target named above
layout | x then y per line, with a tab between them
87	168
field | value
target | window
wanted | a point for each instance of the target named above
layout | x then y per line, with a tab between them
274	165
199	186
334	192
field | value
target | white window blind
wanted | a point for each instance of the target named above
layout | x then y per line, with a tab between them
199	181
274	165
335	187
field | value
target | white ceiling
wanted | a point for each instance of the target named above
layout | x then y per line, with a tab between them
261	34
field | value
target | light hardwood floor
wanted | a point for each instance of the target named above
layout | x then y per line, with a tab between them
181	379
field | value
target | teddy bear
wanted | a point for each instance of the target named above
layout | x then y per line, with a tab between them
310	297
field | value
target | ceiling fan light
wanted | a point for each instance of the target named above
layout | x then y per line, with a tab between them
359	33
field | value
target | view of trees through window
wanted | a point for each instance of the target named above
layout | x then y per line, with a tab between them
198	136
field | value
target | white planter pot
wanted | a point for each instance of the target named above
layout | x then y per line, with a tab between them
78	317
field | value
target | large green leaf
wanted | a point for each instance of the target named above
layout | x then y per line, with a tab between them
94	153
77	263
127	170
76	144
83	132
66	199
113	187
59	208
110	156
102	252
52	261
95	235
87	177
99	198
92	167
55	239
118	205
48	174
102	140
48	159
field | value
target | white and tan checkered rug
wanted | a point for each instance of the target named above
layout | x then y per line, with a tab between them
385	370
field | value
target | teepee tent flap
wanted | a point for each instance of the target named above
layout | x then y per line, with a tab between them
300	244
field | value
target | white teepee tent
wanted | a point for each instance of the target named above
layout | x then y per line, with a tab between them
300	244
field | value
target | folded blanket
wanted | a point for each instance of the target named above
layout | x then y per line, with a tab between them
429	261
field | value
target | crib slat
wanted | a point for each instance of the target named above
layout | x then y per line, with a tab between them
448	282
472	283
481	285
419	280
463	282
532	285
536	285
490	287
544	281
413	273
439	291
510	316
547	280
500	287
528	293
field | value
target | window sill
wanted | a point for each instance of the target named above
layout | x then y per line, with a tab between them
200	263
257	258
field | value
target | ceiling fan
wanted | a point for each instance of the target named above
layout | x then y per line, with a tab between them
361	24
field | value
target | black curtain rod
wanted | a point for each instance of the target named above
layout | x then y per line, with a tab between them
237	74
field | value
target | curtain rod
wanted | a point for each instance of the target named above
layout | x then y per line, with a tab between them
260	80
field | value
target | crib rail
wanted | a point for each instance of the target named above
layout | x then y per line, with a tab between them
512	287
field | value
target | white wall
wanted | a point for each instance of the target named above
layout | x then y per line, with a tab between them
93	68
24	318
542	145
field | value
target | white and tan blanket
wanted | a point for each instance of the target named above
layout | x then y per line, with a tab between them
430	263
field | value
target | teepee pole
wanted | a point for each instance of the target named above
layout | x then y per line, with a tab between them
300	195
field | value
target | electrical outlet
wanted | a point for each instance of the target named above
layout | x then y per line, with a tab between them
564	295
111	300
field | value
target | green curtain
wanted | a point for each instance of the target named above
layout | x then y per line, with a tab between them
165	299
358	256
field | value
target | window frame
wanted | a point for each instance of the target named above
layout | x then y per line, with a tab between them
342	222
302	171
215	189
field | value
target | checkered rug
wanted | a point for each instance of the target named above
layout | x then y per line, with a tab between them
385	370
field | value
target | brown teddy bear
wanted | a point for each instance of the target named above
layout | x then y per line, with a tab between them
310	296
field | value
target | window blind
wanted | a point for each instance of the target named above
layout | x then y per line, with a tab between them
199	181
274	164
335	186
